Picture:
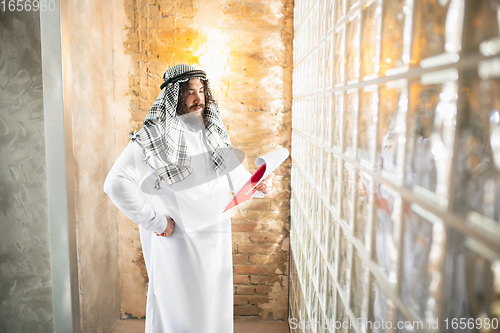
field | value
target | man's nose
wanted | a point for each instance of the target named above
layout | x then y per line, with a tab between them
197	97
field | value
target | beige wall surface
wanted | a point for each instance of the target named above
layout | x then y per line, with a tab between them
92	110
245	48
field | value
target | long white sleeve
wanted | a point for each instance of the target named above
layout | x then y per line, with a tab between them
121	185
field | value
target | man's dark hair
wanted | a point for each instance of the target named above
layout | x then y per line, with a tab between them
183	94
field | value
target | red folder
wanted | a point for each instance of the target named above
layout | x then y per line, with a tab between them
248	189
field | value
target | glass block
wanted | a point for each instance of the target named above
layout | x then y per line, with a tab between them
367	123
310	107
387	229
340	9
391	141
332	242
350	115
357	287
344	265
330	297
327	120
437	31
348	187
330	15
396	37
362	208
338	108
320	107
341	317
472	286
318	164
349	4
432	119
325	179
308	245
316	270
307	78
423	254
322	282
321	66
321	18
320	324
313	26
481	28
339	56
313	124
335	183
318	218
329	61
370	39
315	309
308	295
382	308
314	66
477	186
303	311
352	49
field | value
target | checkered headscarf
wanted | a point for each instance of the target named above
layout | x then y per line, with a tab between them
162	136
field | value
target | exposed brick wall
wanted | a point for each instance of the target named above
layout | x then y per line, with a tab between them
250	44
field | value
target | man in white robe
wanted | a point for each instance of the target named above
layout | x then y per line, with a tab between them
173	179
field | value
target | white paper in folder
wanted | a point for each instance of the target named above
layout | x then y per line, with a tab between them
267	164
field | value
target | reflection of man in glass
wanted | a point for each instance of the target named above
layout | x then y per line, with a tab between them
470	278
176	173
421	169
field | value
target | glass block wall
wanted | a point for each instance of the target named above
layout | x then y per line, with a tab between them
395	166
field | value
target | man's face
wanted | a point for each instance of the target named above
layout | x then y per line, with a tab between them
195	100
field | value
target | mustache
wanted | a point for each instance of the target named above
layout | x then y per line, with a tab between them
194	106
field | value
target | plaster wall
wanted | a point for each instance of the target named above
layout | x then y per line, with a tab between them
91	102
25	270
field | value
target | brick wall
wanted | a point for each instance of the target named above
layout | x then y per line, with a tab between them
248	44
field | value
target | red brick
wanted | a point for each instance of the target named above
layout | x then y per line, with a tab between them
241	279
277	258
245	290
244	227
257	238
240	259
276	225
271	269
257	248
247	310
241	300
263	279
263	290
262	205
258	299
264	216
268	237
240	238
249	269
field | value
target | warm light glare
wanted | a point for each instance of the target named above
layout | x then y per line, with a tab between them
205	60
213	57
495	117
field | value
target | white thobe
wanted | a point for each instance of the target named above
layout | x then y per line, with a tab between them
190	272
